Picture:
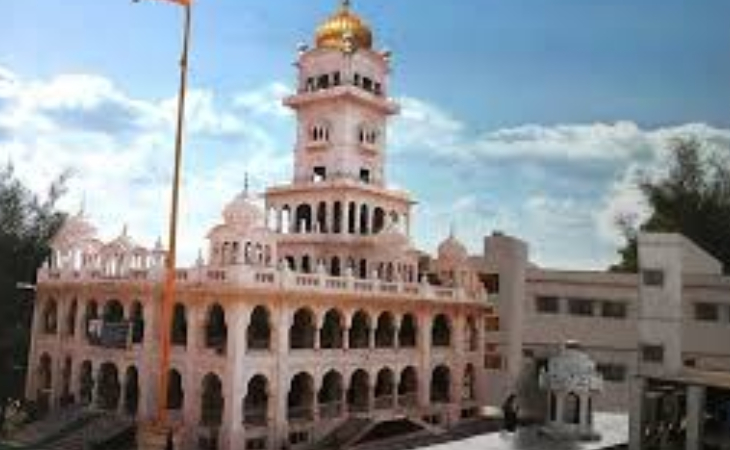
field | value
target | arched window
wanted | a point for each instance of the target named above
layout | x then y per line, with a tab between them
71	318
303	218
351	221
408	387
113	312
385	333
86	383
259	330
384	389
360	331
322	217
332	332
441	331
131	391
211	401
336	267
441	385
330	395
306	264
179	330
300	401
337	219
216	330
301	333
469	387
91	314
175	393
364	219
108	389
50	317
571	413
358	395
378	220
256	402
470	335
137	319
407	332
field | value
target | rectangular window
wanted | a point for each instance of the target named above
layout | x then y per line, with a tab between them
323	82
652	353
365	175
320	174
336	78
653	277
707	312
580	307
547	305
613	372
613	310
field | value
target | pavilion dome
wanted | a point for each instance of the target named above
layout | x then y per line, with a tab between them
452	251
75	230
243	212
341	27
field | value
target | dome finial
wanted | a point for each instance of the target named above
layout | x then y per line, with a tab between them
245	183
345	4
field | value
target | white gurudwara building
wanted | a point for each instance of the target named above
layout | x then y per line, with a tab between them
316	317
308	316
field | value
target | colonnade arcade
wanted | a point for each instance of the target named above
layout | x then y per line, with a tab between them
333	328
335	217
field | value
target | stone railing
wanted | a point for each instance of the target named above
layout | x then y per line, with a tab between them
262	278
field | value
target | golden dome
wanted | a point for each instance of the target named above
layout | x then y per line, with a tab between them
344	25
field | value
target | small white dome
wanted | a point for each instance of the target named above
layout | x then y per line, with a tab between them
75	230
243	212
452	251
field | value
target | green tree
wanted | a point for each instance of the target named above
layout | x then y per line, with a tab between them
27	224
692	199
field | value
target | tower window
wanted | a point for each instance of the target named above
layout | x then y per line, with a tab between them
320	133
320	174
368	135
336	79
365	175
378	89
323	82
357	79
367	84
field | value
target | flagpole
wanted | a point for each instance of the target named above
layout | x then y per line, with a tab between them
168	293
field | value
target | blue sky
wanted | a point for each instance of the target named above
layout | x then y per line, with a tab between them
528	116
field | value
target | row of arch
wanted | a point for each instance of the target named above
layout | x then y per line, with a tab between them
107	390
307	331
334	79
333	331
337	266
333	217
248	253
111	312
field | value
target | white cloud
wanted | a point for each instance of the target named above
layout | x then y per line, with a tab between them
558	187
119	149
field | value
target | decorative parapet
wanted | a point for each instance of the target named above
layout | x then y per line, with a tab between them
273	278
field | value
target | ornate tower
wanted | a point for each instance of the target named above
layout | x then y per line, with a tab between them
338	212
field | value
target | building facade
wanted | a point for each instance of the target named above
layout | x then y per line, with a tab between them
316	314
308	315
